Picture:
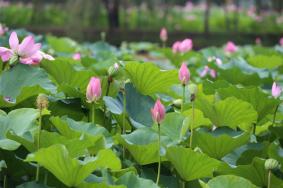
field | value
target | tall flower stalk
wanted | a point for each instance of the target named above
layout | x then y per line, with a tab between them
184	77
158	114
42	103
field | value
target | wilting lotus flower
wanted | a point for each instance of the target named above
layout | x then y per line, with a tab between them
276	90
281	41
158	112
184	74
230	47
77	56
213	73
28	52
163	35
3	30
93	91
204	72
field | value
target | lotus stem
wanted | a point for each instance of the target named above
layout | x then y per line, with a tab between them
5	181
124	119
109	80
93	112
269	179
38	143
159	157
192	124
184	98
274	115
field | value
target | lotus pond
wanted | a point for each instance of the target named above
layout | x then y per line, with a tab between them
92	115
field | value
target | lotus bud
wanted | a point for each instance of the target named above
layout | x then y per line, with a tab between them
158	112
230	47
93	92
276	90
271	164
281	41
42	102
184	74
163	35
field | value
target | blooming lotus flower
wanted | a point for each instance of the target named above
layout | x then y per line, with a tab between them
163	35
184	74
281	41
93	91
276	90
28	52
204	72
77	56
218	61
186	45
175	47
158	112
230	47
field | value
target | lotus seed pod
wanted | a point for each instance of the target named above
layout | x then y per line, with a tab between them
42	101
271	164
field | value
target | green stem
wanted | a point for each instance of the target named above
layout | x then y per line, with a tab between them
106	94
4	182
192	125
254	128
159	157
93	112
45	178
38	144
269	179
124	119
184	98
274	115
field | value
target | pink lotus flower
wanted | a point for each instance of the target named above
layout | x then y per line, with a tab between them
213	73
175	47
28	52
158	112
93	91
77	56
204	71
258	41
184	74
163	35
186	45
3	30
230	47
276	90
182	46
281	41
218	61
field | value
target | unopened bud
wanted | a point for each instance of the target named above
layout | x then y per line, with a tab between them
271	164
177	103
42	101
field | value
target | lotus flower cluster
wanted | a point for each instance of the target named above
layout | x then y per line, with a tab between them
182	46
184	74
230	47
93	91
158	112
27	52
163	35
276	90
